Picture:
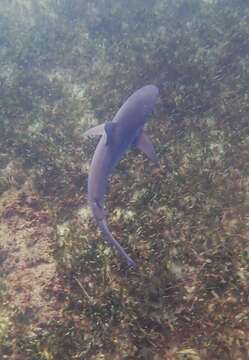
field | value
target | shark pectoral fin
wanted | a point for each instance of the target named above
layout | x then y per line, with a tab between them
145	145
106	129
95	131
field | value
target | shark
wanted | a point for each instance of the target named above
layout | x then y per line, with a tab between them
117	136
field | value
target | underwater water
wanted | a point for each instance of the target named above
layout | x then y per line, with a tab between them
68	66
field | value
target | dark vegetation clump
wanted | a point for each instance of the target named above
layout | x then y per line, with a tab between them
69	65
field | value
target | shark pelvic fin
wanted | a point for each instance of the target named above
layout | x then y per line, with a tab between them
145	145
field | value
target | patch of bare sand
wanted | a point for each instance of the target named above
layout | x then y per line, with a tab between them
26	238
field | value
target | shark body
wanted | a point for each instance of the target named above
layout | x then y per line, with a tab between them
117	136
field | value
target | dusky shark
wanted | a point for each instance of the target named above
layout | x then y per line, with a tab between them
125	130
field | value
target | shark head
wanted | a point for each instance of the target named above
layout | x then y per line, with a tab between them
144	100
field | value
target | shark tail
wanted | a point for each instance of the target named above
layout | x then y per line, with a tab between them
114	243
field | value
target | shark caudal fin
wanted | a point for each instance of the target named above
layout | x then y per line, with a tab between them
114	243
99	215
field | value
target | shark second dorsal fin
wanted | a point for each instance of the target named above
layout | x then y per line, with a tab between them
145	145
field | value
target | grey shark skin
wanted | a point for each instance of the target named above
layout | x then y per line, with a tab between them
117	136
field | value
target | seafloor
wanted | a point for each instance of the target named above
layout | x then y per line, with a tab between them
64	294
